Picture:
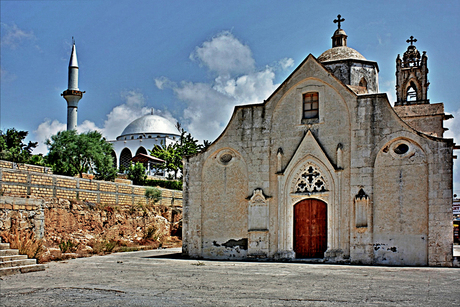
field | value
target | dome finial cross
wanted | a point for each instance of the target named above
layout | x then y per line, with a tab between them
339	20
412	40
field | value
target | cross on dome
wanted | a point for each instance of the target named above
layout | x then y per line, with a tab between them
412	40
339	20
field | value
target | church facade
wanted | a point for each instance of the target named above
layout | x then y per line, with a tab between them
326	168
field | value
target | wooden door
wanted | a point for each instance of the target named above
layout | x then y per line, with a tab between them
310	228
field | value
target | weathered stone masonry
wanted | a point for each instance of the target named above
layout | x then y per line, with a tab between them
58	208
23	181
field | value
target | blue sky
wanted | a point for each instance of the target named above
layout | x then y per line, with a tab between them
193	61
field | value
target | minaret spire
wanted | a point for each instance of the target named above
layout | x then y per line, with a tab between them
73	94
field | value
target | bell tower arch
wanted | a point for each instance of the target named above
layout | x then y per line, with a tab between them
412	76
412	104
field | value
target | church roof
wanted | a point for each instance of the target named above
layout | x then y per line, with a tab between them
340	53
150	124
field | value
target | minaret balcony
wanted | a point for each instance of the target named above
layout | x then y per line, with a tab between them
72	93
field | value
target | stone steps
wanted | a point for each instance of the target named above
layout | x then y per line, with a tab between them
19	262
22	269
12	257
13	263
9	252
4	246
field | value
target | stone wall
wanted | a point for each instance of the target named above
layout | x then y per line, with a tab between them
36	181
58	220
25	167
60	208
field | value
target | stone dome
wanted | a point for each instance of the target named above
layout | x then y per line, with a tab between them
150	124
340	53
339	32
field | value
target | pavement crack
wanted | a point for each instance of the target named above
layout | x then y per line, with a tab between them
61	288
97	289
309	300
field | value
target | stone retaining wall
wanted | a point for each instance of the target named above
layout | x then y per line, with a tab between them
25	167
36	181
58	220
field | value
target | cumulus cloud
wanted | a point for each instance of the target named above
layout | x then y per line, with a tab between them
286	63
44	131
224	54
133	107
237	81
13	36
163	83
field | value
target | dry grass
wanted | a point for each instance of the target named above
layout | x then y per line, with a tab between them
25	242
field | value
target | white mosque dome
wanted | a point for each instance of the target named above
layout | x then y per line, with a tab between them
150	124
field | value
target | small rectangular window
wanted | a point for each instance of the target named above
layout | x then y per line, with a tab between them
310	105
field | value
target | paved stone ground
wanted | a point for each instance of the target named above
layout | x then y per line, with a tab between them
157	278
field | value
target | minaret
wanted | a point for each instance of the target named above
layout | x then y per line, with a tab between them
72	95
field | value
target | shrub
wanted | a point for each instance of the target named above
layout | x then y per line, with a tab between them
167	184
152	194
103	246
136	173
148	234
110	245
68	246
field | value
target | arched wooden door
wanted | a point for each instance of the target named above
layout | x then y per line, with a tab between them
310	228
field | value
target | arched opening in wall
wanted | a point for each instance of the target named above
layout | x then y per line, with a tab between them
310	228
411	93
114	159
125	156
363	84
142	150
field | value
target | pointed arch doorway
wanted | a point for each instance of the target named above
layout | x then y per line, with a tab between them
310	228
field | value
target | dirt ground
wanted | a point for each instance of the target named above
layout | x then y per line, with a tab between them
162	278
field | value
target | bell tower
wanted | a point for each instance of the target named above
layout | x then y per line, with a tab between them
412	76
412	104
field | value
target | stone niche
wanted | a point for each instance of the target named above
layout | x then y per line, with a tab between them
258	225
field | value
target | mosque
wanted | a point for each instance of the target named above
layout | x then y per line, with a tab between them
137	138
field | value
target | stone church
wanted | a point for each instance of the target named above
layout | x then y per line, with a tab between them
326	168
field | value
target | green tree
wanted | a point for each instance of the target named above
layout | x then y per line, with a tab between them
71	153
13	148
136	173
172	154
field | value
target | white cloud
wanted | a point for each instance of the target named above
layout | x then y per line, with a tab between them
237	82
163	83
13	36
123	114
44	131
286	63
117	120
225	54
